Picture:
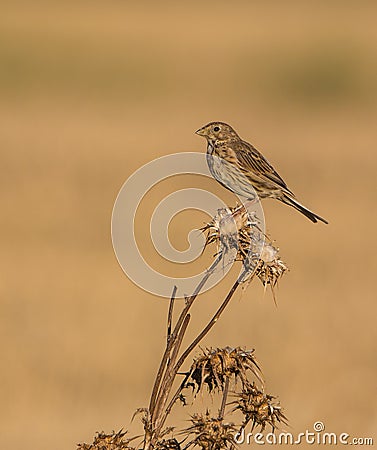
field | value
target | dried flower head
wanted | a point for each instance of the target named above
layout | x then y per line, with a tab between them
214	366
258	408
237	232
270	267
113	441
210	433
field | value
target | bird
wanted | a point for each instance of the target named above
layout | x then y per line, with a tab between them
241	168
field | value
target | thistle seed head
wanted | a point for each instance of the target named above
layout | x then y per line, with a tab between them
235	231
210	433
113	441
270	267
258	408
214	366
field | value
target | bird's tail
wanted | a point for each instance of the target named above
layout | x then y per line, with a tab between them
309	214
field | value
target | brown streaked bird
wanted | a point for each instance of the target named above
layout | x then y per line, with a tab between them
239	167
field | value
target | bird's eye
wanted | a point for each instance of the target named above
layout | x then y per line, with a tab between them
216	129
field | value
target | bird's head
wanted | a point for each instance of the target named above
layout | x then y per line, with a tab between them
217	131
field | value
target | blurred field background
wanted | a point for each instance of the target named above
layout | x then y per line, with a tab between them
90	91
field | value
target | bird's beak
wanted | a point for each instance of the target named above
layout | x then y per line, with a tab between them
200	132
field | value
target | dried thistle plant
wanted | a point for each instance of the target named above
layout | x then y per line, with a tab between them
222	371
215	366
270	267
259	408
210	433
112	441
237	231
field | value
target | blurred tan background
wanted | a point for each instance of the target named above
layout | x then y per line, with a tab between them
90	91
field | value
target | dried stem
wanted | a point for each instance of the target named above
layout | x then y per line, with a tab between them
171	404
225	396
211	323
166	373
170	314
172	340
193	345
169	377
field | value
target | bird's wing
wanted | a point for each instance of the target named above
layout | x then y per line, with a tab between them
251	159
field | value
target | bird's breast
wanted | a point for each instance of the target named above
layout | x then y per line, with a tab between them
225	170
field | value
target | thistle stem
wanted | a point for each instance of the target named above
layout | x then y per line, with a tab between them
196	341
211	323
166	373
224	399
